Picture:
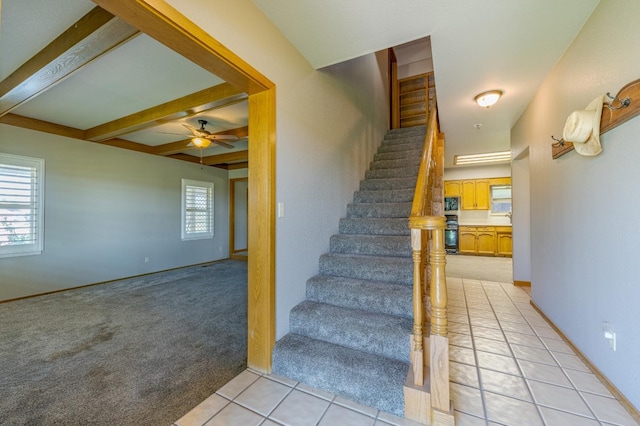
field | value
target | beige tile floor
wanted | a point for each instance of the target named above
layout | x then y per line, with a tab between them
508	367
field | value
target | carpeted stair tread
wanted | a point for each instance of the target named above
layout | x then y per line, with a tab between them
388	183
397	155
379	210
384	196
351	335
395	164
375	245
392	173
376	296
400	147
378	268
384	335
365	378
374	226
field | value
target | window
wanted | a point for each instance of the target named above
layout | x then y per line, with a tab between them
500	199
197	209
21	205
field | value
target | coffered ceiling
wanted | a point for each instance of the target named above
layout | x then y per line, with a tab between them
103	81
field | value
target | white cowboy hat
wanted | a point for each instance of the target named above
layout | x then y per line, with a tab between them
583	128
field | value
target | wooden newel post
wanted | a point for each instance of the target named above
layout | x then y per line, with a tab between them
439	342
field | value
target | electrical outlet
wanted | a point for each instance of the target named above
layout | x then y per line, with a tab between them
280	209
609	334
146	260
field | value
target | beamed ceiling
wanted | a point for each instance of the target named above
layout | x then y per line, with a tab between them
73	69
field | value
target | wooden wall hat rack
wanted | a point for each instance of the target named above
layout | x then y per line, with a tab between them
623	107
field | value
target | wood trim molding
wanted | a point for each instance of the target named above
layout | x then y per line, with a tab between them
161	21
211	98
225	158
610	386
261	229
41	126
92	36
521	283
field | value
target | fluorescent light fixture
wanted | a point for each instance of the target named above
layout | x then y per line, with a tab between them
490	157
486	99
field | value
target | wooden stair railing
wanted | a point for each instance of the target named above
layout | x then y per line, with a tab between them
427	396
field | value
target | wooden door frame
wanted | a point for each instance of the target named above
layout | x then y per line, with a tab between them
165	24
232	220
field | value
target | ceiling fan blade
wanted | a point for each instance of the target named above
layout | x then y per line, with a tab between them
177	134
226	145
190	127
223	137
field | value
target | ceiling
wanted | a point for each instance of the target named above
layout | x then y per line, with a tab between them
476	46
134	73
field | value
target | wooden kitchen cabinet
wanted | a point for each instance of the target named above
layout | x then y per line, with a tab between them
485	240
467	240
452	188
504	241
475	194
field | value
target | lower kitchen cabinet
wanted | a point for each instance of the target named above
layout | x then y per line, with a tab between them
504	241
485	240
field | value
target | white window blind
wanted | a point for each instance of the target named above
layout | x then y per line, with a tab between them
21	205
197	209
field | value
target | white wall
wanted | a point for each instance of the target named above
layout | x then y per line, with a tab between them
584	244
106	209
521	208
329	124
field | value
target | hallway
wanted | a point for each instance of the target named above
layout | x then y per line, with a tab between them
508	367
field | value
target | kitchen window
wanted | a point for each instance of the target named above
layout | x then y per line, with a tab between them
197	209
21	205
500	199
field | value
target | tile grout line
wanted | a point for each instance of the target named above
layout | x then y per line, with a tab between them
475	355
513	355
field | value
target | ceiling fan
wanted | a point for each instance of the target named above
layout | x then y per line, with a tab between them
202	138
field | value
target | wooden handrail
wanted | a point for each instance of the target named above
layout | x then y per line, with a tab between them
427	242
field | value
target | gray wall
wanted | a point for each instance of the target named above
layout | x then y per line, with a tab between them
584	243
106	209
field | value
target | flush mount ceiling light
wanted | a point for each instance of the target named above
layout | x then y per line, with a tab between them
486	99
491	157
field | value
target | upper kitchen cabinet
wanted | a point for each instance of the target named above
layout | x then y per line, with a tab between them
452	188
475	194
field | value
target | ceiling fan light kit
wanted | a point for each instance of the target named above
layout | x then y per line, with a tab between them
489	98
200	142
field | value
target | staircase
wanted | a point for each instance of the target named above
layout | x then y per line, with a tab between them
351	335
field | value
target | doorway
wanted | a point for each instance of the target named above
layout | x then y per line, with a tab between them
238	218
165	24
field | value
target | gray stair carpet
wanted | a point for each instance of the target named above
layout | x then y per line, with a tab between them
350	336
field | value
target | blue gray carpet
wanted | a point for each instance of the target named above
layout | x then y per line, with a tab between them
141	351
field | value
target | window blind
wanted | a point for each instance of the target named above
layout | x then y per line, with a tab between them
21	205
197	209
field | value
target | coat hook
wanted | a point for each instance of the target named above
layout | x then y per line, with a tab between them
559	142
623	102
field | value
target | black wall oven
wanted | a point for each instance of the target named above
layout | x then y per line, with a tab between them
451	234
